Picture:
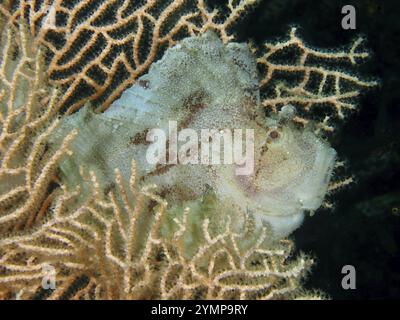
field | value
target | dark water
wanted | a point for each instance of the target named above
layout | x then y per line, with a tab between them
364	228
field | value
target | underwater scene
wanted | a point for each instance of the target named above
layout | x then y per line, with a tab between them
199	150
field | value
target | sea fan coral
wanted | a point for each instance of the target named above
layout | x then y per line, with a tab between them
322	79
100	47
28	116
113	246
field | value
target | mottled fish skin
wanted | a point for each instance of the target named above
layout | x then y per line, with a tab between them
204	84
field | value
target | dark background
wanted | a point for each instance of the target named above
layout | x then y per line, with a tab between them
364	228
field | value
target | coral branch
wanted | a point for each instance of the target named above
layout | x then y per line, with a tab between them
28	111
305	95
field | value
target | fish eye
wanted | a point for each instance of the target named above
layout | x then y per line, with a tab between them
274	134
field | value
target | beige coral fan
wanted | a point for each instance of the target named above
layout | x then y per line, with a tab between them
114	247
91	55
28	116
335	88
94	43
